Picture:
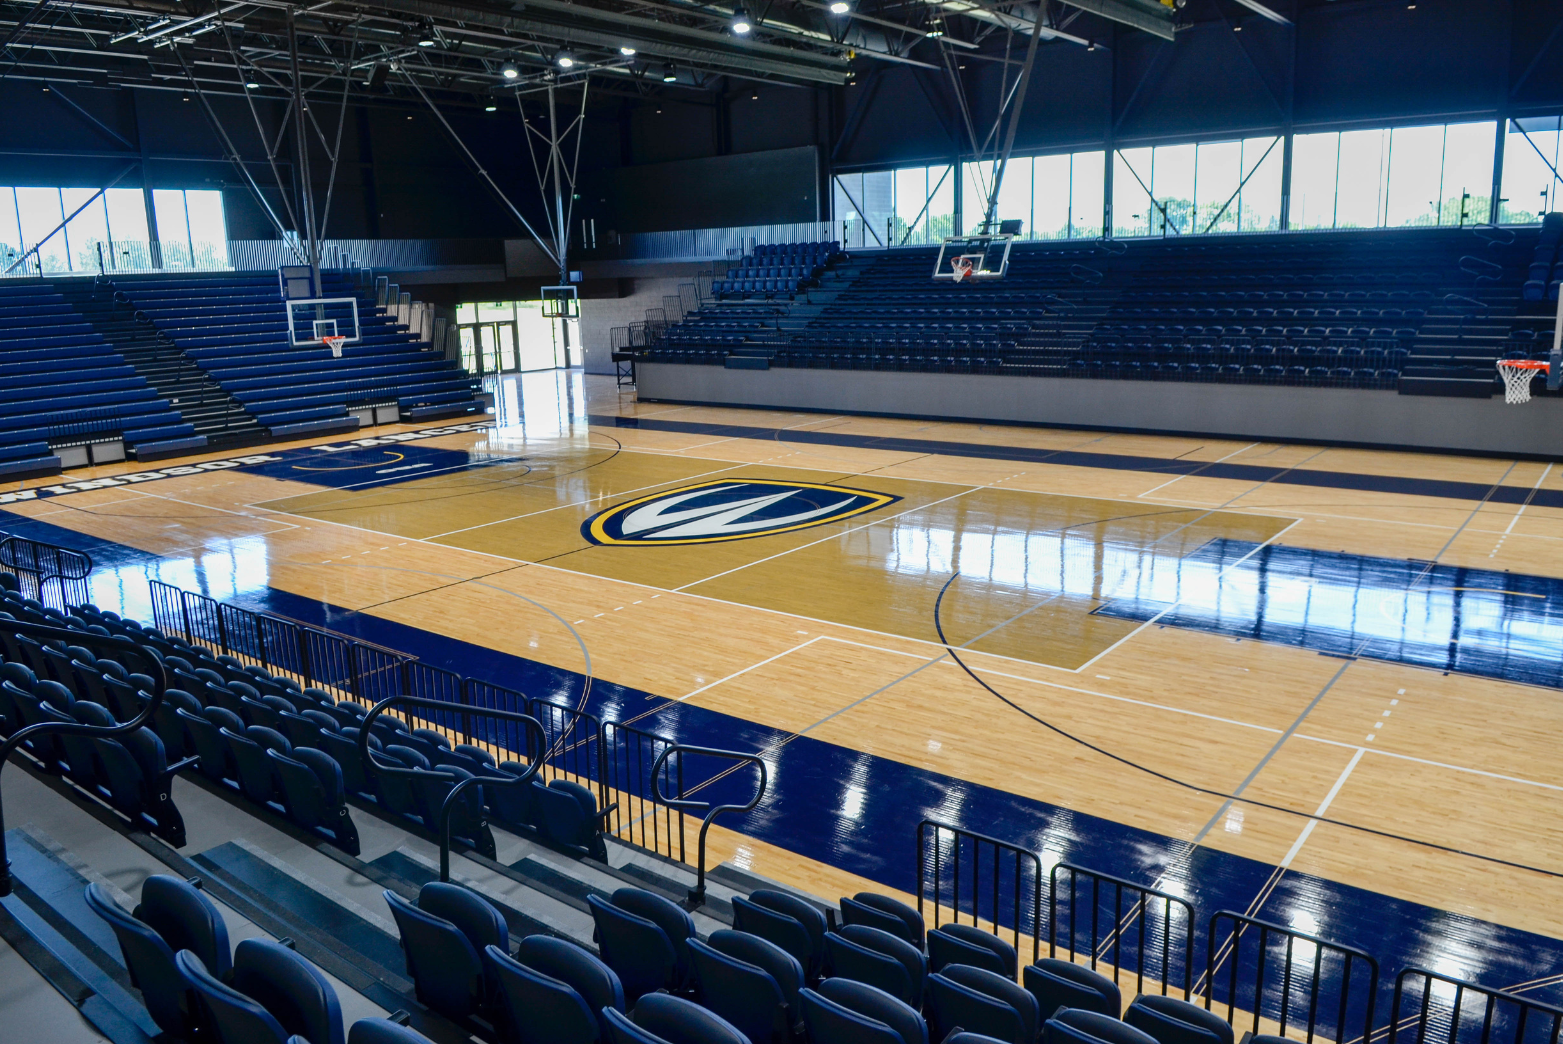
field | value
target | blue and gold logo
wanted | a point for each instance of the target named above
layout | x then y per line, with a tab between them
728	509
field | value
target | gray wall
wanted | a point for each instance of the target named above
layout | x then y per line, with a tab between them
1340	415
599	316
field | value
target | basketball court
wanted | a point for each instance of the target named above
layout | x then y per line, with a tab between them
1165	653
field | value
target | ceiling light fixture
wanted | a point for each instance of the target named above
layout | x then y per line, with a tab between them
840	7
936	32
741	23
565	60
628	52
252	85
490	108
509	71
669	73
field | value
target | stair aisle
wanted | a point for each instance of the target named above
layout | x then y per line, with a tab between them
218	419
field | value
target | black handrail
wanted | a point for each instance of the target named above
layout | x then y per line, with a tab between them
1495	1005
119	645
534	761
1140	909
697	895
1480	268
1308	979
1020	860
37	563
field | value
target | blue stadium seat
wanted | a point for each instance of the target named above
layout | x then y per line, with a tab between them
235	1017
659	1018
443	937
794	924
381	1031
1172	1020
271	994
633	935
1076	1026
172	916
1063	984
540	1009
566	813
884	913
982	1001
839	1011
744	994
311	788
565	962
968	944
866	954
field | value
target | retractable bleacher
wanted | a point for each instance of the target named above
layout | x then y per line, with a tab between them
62	385
1421	311
234	326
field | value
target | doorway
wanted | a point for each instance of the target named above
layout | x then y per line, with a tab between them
488	347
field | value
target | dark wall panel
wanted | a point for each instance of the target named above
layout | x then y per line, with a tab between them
755	188
1211	81
1361	61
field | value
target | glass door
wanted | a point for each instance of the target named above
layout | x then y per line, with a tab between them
488	347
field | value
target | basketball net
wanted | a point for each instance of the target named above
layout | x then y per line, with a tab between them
335	344
1517	374
962	267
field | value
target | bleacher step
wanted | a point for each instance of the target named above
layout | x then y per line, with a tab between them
46	920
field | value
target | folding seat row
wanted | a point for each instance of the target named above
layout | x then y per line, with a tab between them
295	750
131	772
196	988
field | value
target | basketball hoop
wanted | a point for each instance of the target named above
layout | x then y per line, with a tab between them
961	267
1517	375
335	344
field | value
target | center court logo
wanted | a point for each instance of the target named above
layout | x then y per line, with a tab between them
709	512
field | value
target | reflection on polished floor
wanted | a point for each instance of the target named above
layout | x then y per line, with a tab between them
1342	638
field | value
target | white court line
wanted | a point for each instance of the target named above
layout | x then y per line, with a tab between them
847	532
1174	605
1525	505
1307	829
584	502
1196	474
746	670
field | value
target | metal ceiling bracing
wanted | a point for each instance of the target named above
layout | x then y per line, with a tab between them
462	50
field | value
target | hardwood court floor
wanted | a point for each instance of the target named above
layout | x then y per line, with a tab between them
1253	636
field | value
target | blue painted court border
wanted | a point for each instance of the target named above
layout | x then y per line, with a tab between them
872	835
1403	485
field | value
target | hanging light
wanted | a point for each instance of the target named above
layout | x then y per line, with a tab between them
252	85
628	52
840	7
490	108
741	23
669	73
565	60
509	71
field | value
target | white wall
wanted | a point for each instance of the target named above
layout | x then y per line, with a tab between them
1247	411
599	315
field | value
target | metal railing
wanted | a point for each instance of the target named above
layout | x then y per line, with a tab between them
309	655
1449	1010
629	756
697	894
1290	977
643	792
493	779
1124	924
1003	882
55	576
91	641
